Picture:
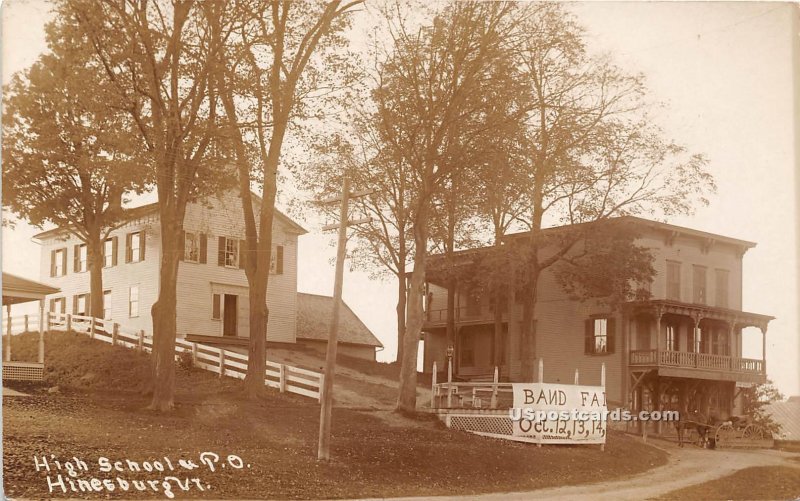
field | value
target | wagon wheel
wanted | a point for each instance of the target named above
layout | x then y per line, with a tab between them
724	433
753	432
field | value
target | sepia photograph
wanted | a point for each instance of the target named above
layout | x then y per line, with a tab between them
408	249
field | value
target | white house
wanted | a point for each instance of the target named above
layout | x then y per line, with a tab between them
212	288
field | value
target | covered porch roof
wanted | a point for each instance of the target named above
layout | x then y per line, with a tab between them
21	290
698	312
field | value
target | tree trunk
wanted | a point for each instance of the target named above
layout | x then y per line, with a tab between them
529	328
401	311
165	316
407	398
497	348
259	315
94	254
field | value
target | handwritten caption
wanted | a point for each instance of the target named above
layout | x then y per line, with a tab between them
162	475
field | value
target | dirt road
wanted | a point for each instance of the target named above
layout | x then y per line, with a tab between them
687	466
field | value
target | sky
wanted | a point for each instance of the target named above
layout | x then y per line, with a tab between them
727	74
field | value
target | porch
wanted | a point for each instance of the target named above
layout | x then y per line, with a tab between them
699	365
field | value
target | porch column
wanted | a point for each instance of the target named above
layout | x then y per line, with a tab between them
764	348
8	334
625	357
659	337
41	331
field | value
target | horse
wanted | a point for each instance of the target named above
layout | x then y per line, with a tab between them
696	421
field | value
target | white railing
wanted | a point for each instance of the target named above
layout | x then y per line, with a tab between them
223	362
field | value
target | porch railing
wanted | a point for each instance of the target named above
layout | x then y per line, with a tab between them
462	313
696	360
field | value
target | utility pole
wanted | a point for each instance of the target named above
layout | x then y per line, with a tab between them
324	450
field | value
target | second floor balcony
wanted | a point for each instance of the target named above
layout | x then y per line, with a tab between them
461	315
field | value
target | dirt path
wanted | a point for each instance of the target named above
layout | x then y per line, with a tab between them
687	466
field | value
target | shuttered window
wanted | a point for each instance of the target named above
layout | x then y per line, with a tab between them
81	305
58	262
58	305
134	247
194	247
80	258
110	247
599	336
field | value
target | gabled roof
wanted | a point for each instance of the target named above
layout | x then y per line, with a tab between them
21	290
786	414
314	316
144	210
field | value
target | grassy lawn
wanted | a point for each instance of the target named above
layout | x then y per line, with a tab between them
276	437
759	482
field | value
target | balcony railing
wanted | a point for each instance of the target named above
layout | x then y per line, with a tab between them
462	314
696	360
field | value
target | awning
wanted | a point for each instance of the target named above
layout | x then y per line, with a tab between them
21	290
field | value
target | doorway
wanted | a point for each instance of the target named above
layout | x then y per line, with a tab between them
230	309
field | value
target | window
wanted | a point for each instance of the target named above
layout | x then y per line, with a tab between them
107	305
474	296
80	258
191	248
134	250
230	252
599	336
674	280
276	263
671	344
722	281
110	252
216	308
133	301
58	262
58	305
80	305
699	284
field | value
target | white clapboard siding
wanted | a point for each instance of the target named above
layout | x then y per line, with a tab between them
215	217
118	279
197	282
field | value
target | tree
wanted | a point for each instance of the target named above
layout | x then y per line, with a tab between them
158	57
68	157
276	43
429	101
754	400
592	151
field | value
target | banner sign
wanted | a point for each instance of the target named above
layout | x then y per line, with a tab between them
559	413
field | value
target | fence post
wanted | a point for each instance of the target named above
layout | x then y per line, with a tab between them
69	322
321	386
282	377
221	362
541	370
194	353
433	386
26	324
603	384
91	327
577	377
140	347
114	334
493	402
449	383
8	334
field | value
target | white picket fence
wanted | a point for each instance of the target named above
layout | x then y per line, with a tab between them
223	362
